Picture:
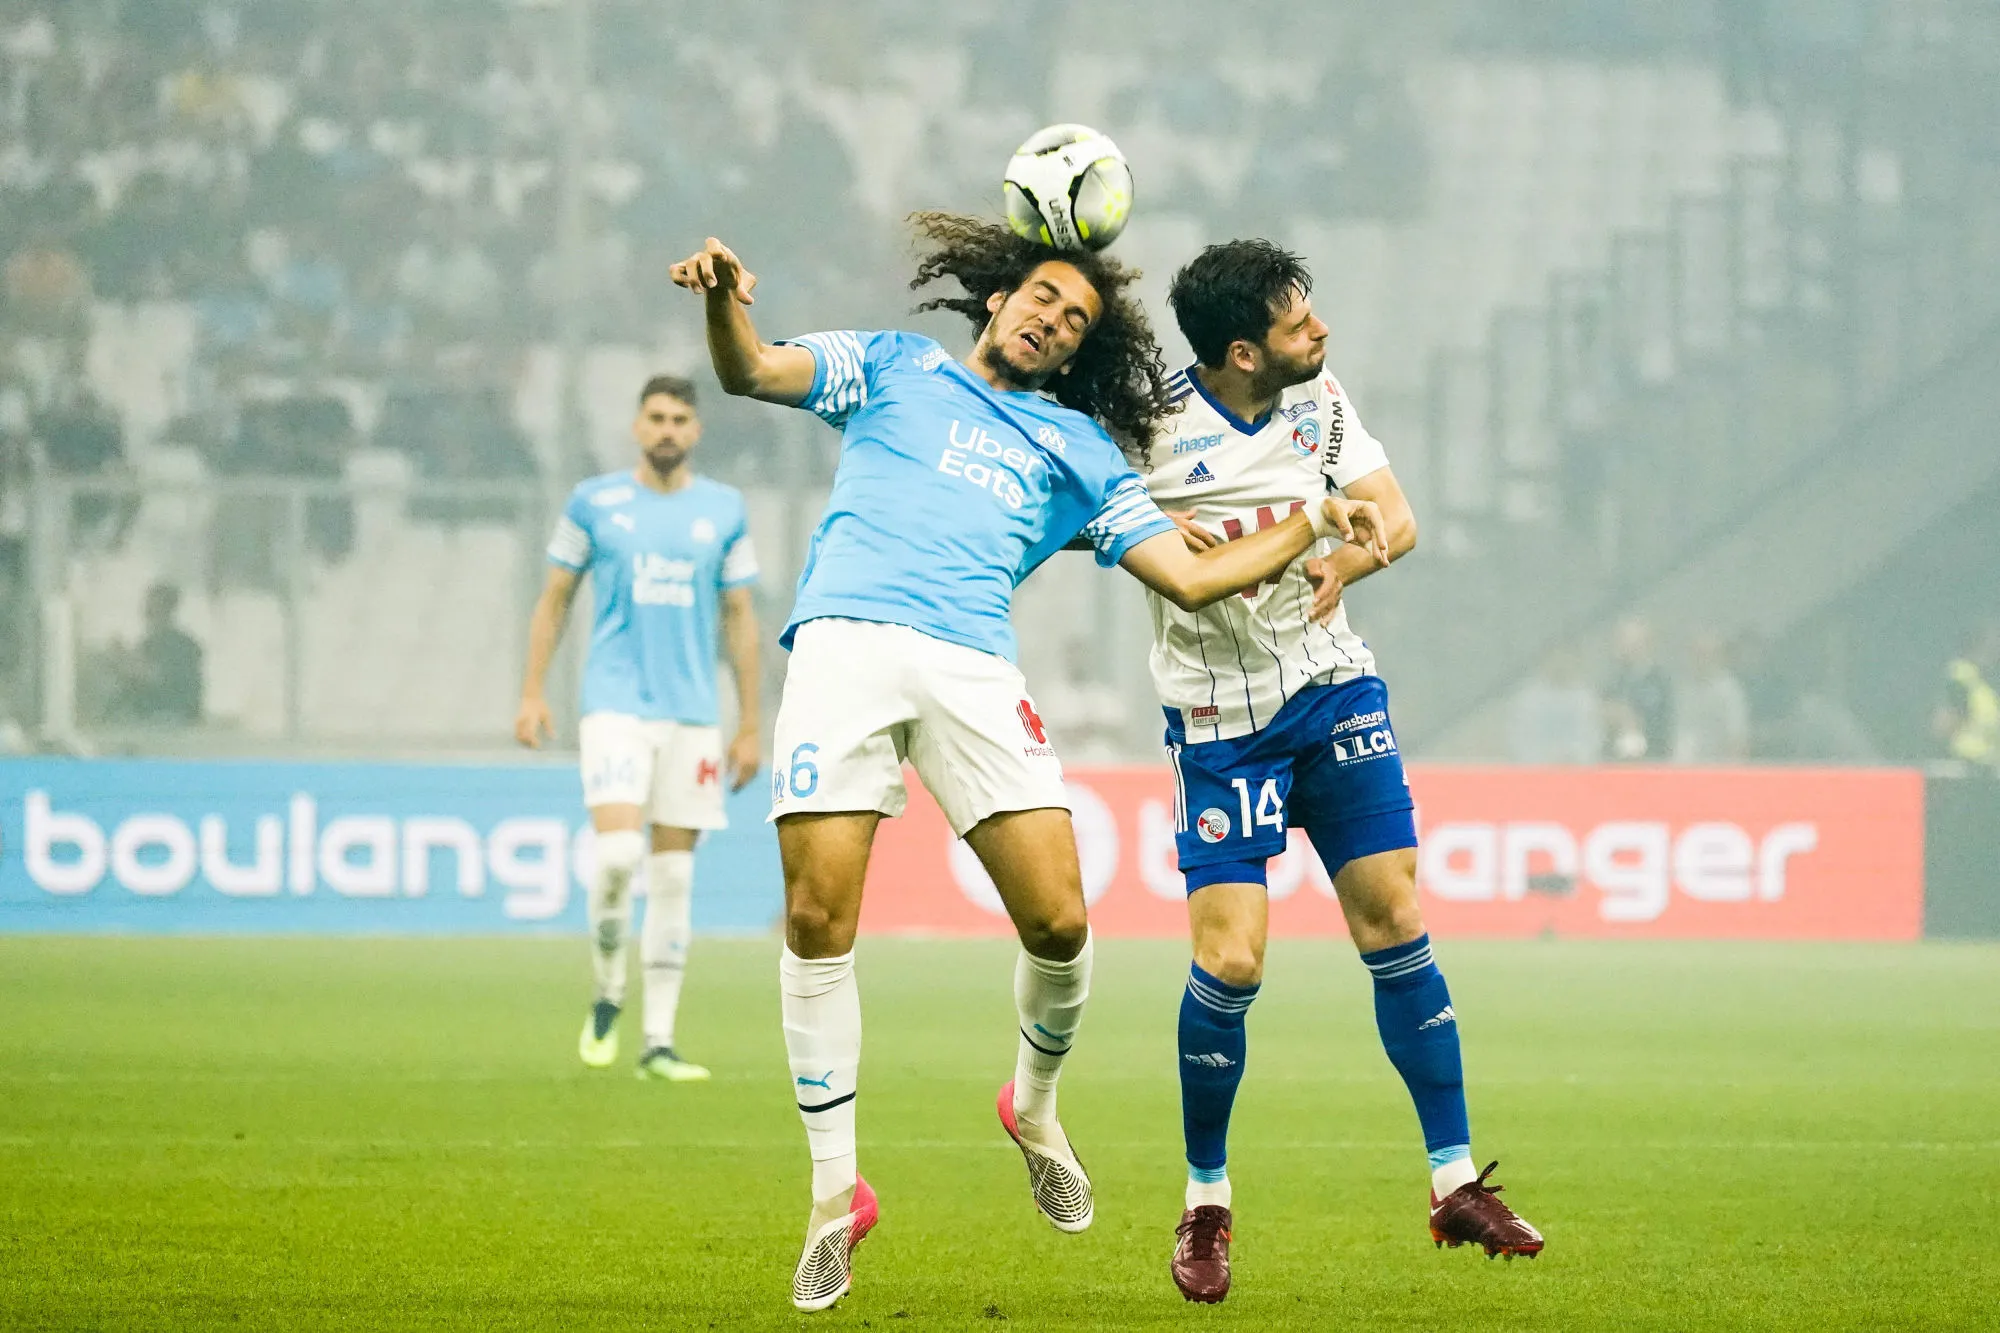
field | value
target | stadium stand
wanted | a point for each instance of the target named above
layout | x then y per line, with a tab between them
313	268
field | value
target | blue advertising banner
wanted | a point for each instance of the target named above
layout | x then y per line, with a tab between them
169	847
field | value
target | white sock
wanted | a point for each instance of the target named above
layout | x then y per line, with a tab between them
663	941
1201	1192
1449	1176
1048	998
610	908
822	1010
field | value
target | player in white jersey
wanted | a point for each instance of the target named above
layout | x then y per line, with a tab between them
958	476
1275	719
670	563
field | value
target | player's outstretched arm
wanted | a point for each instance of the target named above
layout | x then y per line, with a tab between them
533	722
747	365
1190	581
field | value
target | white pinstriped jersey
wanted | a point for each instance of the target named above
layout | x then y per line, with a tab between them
1228	668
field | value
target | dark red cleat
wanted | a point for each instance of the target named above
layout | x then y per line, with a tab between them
1201	1257
1472	1215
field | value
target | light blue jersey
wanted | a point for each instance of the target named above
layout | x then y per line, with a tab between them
658	565
950	492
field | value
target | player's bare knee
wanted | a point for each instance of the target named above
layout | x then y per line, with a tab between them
818	920
1059	936
1231	959
813	930
1385	922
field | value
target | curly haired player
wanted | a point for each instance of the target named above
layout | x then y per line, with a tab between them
957	478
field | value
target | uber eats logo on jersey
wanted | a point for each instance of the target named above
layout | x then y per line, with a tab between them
658	581
977	457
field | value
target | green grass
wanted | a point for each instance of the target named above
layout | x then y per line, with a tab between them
395	1134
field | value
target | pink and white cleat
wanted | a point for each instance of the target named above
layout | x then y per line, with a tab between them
1060	1185
826	1266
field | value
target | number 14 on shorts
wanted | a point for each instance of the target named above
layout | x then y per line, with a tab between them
1268	812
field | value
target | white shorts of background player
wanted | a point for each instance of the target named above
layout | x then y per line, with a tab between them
861	697
671	771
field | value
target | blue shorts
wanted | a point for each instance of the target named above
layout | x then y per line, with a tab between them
1327	763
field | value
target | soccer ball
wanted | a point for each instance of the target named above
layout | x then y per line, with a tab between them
1068	187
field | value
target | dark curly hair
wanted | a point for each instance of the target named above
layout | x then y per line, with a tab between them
1116	376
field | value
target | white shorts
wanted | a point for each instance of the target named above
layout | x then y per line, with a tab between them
670	770
862	697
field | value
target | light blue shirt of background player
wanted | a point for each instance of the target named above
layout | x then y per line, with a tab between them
671	568
950	492
658	564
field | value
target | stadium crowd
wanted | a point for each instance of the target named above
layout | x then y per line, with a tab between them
377	201
1717	702
277	234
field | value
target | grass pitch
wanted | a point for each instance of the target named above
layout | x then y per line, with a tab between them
396	1134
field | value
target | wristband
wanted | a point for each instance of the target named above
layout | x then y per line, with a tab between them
1322	526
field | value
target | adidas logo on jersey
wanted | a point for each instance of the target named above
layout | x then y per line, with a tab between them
1201	476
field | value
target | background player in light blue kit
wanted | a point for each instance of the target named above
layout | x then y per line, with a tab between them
957	478
670	562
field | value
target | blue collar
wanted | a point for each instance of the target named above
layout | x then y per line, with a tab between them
1238	423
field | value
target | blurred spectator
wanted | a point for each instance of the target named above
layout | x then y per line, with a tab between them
1557	717
1639	699
1792	719
310	289
304	437
81	438
464	436
1712	708
161	675
47	291
1967	721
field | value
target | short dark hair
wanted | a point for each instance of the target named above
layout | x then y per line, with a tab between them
674	386
1235	290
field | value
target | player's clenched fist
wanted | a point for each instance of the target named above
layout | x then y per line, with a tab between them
715	267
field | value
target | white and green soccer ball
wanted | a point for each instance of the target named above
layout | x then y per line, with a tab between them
1069	188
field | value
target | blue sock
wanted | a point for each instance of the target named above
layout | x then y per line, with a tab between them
1212	1049
1420	1032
